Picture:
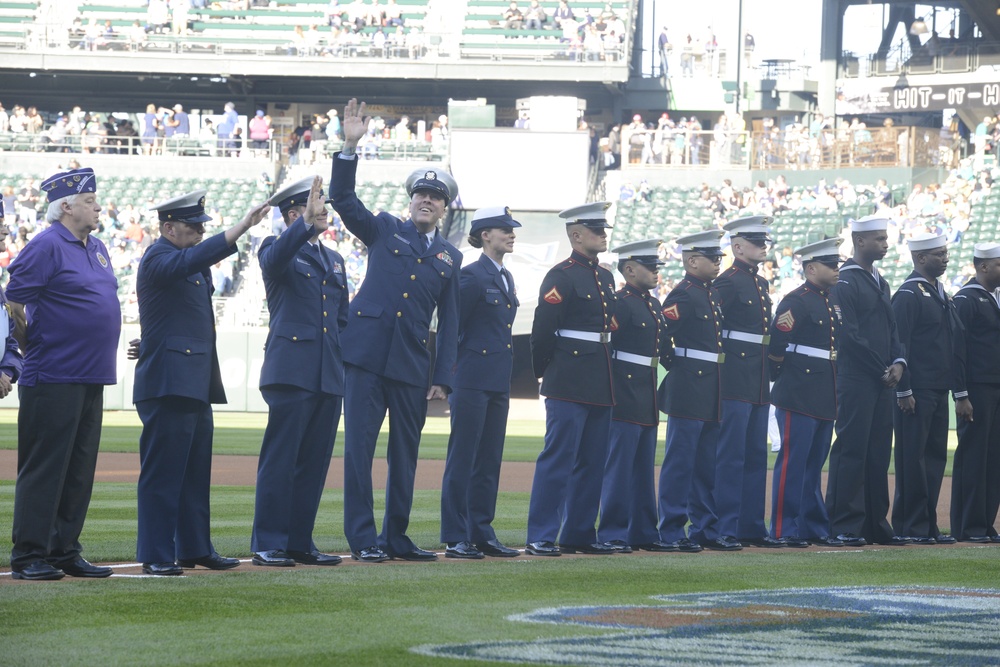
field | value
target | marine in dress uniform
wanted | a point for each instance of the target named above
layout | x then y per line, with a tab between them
975	493
741	461
571	352
64	283
301	380
927	323
177	378
690	396
11	361
628	494
412	270
869	364
480	397
803	361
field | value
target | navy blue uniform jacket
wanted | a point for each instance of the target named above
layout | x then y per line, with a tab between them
638	328
746	307
868	343
927	324
978	358
11	361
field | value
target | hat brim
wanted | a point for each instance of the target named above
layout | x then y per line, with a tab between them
592	224
193	220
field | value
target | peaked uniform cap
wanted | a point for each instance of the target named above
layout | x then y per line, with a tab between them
186	208
294	194
753	227
707	243
825	251
644	252
593	215
490	217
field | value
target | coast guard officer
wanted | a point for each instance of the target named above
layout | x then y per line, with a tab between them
412	270
11	360
975	494
741	460
177	378
480	396
690	396
570	351
803	360
869	363
302	378
628	494
927	323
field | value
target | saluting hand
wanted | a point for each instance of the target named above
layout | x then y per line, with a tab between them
315	213
354	123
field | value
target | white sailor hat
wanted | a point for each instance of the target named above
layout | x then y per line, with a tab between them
926	241
644	252
986	251
188	208
753	228
593	215
706	243
432	180
490	217
294	194
824	252
870	223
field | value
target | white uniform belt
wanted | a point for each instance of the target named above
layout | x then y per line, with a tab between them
650	362
591	336
814	352
758	339
698	354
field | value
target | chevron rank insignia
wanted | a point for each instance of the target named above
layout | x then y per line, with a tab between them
785	321
671	312
553	296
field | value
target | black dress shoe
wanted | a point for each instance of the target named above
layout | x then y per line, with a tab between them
685	545
415	554
37	571
370	555
496	549
595	549
945	539
995	539
852	540
826	541
212	561
922	541
766	542
724	543
462	550
314	557
978	539
162	569
272	558
620	546
658	546
542	549
81	568
795	542
896	541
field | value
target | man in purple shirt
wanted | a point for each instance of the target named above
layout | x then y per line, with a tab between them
64	284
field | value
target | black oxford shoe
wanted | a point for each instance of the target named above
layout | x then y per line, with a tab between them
272	558
945	539
213	561
826	541
370	555
724	543
596	549
794	542
37	571
852	540
620	546
162	569
415	554
496	549
462	550
896	541
658	546
314	557
766	542
81	568
922	541
544	548
978	539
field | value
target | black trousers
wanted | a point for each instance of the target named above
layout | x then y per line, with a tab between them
975	491
58	434
921	454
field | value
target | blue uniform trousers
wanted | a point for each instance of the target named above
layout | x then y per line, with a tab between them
741	470
975	493
175	454
294	459
797	507
686	480
564	493
920	457
628	495
472	470
368	397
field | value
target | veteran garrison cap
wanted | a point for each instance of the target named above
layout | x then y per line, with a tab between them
645	252
870	223
986	251
294	194
926	241
432	180
753	228
593	215
824	252
490	217
188	208
74	182
706	243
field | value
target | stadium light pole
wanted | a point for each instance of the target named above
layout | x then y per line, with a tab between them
739	55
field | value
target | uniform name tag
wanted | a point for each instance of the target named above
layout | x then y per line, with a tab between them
402	239
492	291
302	261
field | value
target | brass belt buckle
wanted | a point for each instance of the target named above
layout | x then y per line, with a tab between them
605	336
766	339
833	355
722	357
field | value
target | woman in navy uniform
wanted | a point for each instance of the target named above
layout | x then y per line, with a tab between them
480	397
301	380
628	495
803	355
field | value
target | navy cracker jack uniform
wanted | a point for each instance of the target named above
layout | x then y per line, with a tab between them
690	395
803	346
570	352
975	493
927	323
302	382
388	365
857	496
480	401
177	378
628	494
741	466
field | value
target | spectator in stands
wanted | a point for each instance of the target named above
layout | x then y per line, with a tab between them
375	16
512	17
297	45
563	14
416	44
180	122
56	135
27	202
4	120
137	36
687	56
523	121
225	128
401	132
378	43
236	143
333	126
313	40
664	47
179	16
18	122
34	122
535	17
158	16
333	14
393	14
150	129
260	131
357	14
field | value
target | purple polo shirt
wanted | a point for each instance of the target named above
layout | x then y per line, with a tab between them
70	293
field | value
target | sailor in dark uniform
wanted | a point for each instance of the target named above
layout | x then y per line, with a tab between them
927	323
480	397
869	364
803	360
690	396
975	493
571	352
628	495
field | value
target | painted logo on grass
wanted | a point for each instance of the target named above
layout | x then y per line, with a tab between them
843	626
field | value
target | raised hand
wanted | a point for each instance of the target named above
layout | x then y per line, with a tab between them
315	213
354	122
